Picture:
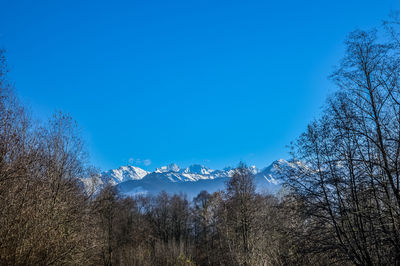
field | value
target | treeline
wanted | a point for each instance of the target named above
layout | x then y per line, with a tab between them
48	218
342	206
232	227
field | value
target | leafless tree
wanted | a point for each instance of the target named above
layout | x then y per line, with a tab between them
351	185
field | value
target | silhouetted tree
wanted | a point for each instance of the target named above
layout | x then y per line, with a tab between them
351	188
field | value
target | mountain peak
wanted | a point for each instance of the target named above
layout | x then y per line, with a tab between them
253	169
198	169
169	168
132	180
124	173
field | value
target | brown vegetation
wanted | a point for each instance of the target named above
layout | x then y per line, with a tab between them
342	207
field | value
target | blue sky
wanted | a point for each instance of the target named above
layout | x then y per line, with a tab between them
191	81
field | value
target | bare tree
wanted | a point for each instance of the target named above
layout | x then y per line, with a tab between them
351	186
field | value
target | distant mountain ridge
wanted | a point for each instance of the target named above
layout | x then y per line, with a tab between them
132	180
123	174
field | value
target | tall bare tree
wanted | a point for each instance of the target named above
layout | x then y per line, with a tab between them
351	186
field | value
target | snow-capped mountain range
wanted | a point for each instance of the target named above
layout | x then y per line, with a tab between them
132	180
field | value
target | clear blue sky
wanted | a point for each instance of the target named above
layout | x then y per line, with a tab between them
190	81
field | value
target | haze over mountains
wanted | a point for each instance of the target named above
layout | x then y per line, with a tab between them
131	180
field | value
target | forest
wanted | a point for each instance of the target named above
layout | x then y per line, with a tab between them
343	208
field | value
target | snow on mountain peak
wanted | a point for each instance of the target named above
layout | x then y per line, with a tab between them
124	173
191	180
169	168
253	169
198	169
278	170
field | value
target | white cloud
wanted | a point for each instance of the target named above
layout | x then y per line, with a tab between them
139	162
